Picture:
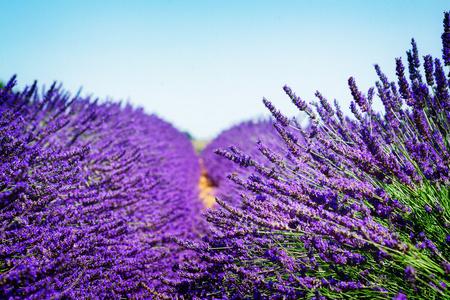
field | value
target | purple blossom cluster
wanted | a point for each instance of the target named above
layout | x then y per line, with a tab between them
355	208
91	195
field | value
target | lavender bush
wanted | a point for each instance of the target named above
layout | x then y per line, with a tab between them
360	210
89	195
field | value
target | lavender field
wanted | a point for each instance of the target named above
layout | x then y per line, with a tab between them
100	200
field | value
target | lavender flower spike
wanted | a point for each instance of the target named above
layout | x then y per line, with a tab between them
446	39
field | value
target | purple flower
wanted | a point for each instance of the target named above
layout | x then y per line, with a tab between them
400	296
446	39
410	274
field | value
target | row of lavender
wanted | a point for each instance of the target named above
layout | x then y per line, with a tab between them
352	208
90	195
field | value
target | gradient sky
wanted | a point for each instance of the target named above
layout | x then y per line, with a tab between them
205	65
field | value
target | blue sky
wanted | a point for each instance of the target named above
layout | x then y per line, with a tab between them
205	65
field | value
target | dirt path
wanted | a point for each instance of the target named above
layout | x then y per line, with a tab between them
206	188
